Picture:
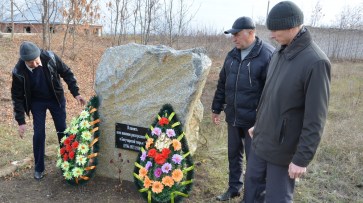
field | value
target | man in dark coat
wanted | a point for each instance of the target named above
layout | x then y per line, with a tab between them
240	85
36	87
292	110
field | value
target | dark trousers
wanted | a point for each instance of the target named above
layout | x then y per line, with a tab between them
39	110
262	175
238	142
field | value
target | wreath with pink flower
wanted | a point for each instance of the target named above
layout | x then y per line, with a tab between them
164	169
78	155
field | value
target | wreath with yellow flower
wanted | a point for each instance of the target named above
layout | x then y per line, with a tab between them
164	169
78	155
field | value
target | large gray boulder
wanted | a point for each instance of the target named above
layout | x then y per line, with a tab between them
134	81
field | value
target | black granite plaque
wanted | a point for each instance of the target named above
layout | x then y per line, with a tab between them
130	137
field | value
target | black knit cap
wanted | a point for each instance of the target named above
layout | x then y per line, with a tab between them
240	24
29	51
284	15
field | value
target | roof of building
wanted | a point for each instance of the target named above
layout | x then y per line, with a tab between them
33	15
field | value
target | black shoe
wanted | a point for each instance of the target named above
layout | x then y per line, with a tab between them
227	195
38	175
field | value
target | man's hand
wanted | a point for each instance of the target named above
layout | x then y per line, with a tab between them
250	131
21	130
215	118
296	171
80	100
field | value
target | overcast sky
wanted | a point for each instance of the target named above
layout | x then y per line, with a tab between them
220	14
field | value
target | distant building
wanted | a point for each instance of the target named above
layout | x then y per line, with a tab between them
30	21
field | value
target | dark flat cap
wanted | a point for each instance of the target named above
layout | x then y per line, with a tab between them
240	24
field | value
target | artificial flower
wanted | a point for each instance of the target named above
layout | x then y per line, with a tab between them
75	145
84	124
148	165
65	165
83	148
59	153
142	173
67	130
67	141
74	129
62	150
177	175
65	157
143	156
77	171
152	153
147	182
68	148
170	132
165	152
156	131
71	155
157	187
119	154
74	121
67	175
159	159
176	144
168	181
166	168
163	121
84	114
158	172
81	160
87	135
59	162
149	142
111	161
72	137
63	138
177	158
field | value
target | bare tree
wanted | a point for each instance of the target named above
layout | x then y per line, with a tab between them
316	15
184	19
12	19
79	15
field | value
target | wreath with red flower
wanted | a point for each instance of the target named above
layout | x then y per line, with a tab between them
164	169
78	155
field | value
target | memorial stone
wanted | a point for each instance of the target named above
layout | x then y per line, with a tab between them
134	81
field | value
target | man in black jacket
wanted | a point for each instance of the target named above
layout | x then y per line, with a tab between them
292	111
240	85
36	87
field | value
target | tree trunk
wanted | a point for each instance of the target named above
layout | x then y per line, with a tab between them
12	19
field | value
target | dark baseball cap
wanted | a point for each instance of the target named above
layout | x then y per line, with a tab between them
240	24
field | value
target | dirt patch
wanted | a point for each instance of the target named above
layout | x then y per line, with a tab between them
53	188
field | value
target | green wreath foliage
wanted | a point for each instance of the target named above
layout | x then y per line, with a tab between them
178	191
93	103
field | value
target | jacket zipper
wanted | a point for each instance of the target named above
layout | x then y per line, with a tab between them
235	95
249	72
283	132
26	102
51	81
230	67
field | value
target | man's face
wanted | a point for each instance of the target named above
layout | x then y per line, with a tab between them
241	39
34	63
283	37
